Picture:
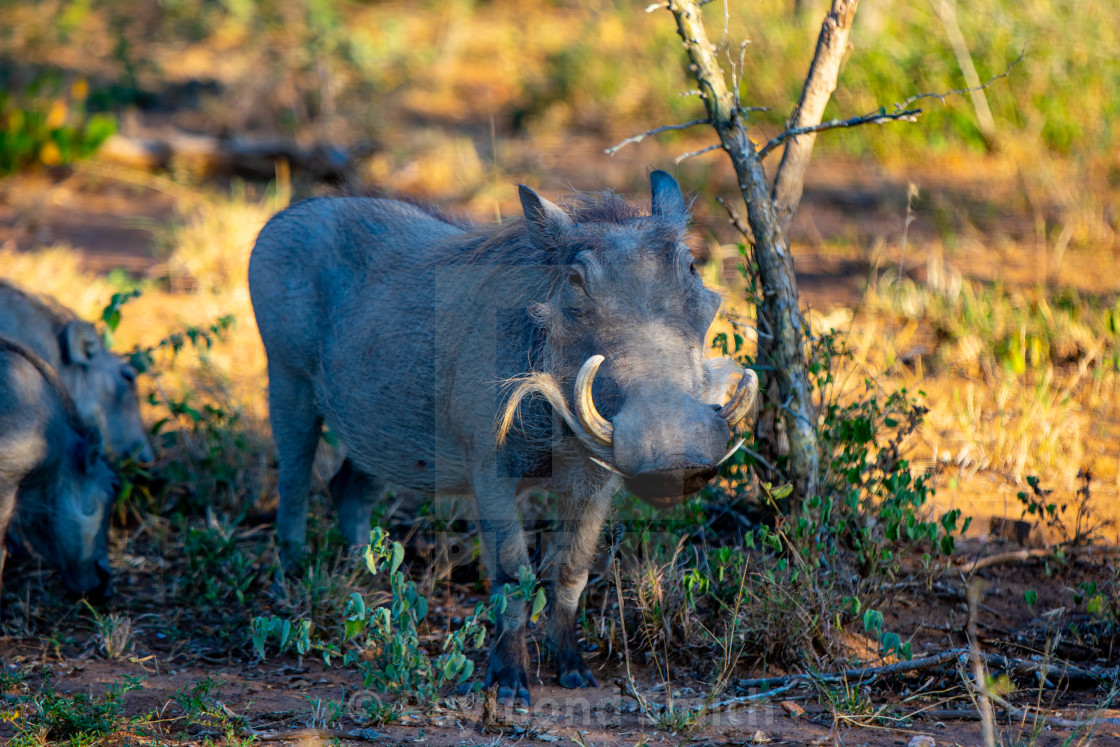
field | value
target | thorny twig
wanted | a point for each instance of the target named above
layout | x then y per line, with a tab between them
700	152
960	91
898	112
656	130
877	117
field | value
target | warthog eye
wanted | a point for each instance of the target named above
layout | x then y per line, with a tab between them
692	269
128	375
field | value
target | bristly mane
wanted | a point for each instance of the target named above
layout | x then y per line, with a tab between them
508	243
545	381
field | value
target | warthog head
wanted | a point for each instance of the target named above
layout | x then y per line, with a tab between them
68	525
626	325
104	389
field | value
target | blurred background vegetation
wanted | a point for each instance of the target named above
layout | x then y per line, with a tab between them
143	143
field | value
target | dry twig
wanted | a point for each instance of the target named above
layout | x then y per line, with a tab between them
656	130
876	117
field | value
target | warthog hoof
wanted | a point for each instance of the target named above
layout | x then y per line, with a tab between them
575	678
572	671
509	660
512	681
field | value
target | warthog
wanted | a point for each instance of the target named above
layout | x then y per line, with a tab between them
56	489
555	350
101	384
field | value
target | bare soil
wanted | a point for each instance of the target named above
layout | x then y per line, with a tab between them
275	696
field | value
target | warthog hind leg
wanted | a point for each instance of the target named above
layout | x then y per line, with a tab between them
353	493
296	428
504	553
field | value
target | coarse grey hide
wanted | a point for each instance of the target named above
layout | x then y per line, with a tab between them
101	384
563	349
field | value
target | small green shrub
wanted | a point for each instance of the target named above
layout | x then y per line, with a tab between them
203	711
388	643
219	571
81	719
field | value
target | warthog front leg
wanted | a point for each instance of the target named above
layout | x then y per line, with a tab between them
504	553
7	508
576	543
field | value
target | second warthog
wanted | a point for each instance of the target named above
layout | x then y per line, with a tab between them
56	490
102	386
559	350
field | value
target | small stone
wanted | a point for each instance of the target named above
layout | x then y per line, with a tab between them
922	740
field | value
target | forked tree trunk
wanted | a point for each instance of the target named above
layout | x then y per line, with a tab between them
781	342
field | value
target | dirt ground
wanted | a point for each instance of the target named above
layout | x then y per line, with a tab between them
275	696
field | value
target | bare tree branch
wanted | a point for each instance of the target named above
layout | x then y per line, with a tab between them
735	220
700	152
779	311
665	128
866	675
832	44
942	95
897	112
877	117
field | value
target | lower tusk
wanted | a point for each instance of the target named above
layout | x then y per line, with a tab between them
609	468
727	456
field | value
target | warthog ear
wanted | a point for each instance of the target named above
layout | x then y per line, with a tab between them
667	198
546	222
79	342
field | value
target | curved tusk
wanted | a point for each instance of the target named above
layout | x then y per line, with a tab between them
742	401
609	468
734	448
595	424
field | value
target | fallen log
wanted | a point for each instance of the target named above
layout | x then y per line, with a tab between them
208	155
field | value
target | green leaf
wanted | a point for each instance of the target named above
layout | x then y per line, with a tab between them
872	620
285	634
397	557
371	559
1031	596
356	607
468	670
538	605
782	492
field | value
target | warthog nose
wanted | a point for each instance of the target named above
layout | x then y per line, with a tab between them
667	488
104	589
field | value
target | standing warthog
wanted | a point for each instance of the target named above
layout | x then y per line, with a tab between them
555	350
101	384
56	489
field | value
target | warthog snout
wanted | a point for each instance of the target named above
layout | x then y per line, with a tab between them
666	488
665	443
